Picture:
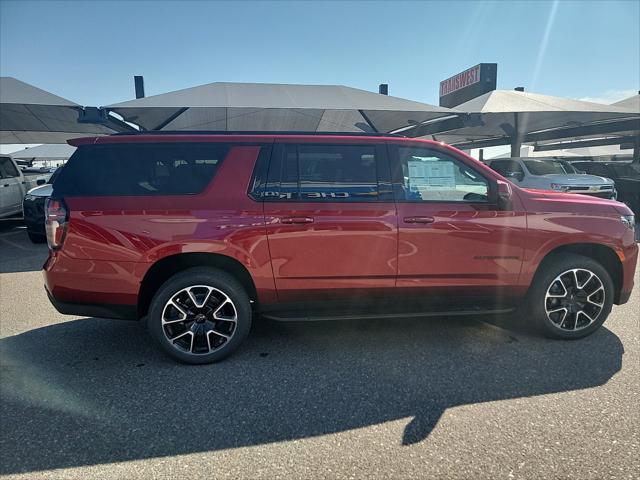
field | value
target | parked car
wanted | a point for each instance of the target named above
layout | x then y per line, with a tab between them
198	233
13	186
568	167
551	174
33	209
626	177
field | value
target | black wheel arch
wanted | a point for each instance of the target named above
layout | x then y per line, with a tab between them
602	254
168	266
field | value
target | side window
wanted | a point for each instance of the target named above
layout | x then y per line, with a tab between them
7	168
595	169
259	177
333	173
430	175
140	169
506	167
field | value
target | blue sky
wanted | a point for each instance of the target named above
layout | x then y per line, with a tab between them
89	51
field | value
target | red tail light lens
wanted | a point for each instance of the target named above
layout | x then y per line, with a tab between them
56	221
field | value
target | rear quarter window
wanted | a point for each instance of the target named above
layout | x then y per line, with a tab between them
140	169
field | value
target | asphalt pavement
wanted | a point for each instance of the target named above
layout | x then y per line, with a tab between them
403	398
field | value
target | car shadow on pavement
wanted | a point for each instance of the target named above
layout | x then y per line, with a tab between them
17	252
93	391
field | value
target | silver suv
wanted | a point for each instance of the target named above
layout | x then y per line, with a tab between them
551	174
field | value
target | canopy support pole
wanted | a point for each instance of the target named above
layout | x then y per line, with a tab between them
171	118
369	122
516	139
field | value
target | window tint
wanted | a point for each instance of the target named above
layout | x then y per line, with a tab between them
594	168
7	168
567	167
625	171
430	175
55	175
505	167
338	173
544	167
259	177
140	169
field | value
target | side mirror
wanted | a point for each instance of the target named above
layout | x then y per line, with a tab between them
504	195
518	176
41	181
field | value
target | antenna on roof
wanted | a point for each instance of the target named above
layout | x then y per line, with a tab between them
519	89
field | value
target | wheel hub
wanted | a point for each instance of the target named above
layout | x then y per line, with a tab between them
199	319
574	299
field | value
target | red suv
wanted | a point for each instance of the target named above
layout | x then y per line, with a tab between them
199	232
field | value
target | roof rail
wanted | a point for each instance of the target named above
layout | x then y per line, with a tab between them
256	132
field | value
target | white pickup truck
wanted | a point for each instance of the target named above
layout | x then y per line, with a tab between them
13	186
552	174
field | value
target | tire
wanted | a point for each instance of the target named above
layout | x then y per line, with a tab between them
547	295
36	237
173	314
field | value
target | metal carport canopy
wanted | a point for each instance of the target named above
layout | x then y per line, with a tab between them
627	134
60	151
509	117
31	115
275	107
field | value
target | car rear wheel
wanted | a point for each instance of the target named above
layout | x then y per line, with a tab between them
200	315
571	297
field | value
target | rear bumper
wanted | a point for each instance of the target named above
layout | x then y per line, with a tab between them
91	288
120	312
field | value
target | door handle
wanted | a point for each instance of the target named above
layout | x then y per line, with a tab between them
290	220
419	219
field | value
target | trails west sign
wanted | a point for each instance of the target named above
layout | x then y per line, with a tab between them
469	84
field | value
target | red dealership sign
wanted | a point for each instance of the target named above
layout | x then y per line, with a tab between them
461	80
469	84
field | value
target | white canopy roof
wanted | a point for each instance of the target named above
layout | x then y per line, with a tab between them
31	115
632	103
60	151
500	112
275	107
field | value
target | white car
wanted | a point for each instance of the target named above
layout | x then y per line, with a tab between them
550	174
13	186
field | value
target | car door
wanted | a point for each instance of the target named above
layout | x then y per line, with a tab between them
10	187
453	237
331	220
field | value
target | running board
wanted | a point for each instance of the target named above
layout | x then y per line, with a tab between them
295	317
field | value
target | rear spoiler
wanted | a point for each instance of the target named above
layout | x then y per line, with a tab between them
76	142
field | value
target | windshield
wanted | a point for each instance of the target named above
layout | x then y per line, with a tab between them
544	167
568	168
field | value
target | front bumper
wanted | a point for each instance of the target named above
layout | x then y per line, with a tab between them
33	211
629	259
607	193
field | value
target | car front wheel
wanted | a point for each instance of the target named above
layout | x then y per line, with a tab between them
200	315
571	296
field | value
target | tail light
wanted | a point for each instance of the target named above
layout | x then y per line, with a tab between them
56	222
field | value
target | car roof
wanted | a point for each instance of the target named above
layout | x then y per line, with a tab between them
245	137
